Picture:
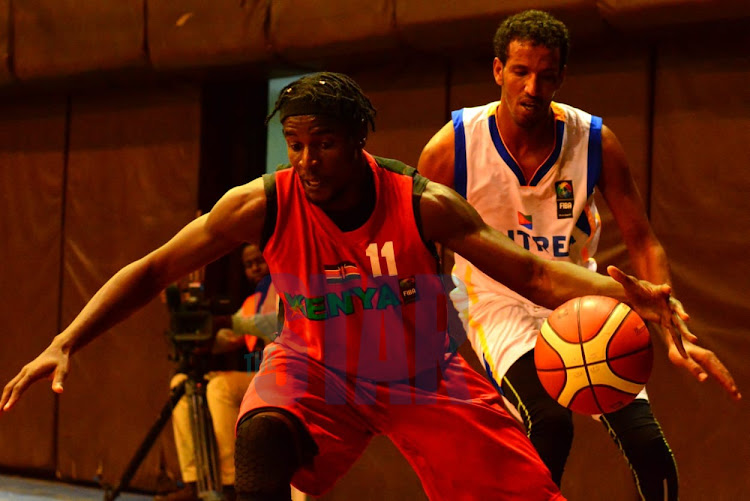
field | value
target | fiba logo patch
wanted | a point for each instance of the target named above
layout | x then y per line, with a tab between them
408	288
564	194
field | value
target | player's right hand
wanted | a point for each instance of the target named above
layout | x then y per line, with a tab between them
52	362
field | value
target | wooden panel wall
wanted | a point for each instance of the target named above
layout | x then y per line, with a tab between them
68	37
132	183
679	107
32	191
193	33
701	210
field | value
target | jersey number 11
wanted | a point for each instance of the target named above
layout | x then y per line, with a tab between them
387	252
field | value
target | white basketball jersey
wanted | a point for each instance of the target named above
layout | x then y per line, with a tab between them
552	214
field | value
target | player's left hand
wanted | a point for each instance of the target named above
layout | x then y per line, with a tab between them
701	363
654	303
53	363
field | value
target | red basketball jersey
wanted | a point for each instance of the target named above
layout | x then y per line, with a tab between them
367	302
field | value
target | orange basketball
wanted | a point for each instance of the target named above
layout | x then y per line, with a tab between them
593	354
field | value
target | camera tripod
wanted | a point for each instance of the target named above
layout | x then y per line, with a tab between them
191	333
208	480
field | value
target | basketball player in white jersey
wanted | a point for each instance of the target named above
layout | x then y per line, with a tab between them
530	166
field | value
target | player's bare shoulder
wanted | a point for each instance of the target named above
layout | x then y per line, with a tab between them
436	160
240	213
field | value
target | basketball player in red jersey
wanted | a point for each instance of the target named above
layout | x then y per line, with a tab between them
363	350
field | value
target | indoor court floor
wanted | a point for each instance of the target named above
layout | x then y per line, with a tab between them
25	489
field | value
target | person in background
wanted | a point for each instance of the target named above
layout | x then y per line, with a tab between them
253	326
530	167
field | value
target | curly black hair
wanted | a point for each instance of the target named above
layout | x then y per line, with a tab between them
326	93
535	26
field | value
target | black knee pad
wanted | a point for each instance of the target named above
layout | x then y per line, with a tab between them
267	453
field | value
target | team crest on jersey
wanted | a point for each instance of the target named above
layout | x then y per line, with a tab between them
564	195
342	272
525	221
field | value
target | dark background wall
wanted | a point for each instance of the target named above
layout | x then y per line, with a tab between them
119	120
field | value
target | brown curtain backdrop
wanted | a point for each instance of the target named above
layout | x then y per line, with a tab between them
701	211
131	184
32	191
92	177
67	37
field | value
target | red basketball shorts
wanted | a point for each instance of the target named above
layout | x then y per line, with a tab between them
450	426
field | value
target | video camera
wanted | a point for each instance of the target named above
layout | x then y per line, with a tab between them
191	324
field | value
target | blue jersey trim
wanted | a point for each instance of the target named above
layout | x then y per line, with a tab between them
544	169
508	158
491	376
595	154
504	154
583	224
459	145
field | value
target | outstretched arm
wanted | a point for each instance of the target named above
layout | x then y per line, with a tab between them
450	220
236	218
649	261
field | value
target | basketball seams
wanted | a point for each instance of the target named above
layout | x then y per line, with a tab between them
583	353
629	353
569	391
613	339
612	325
597	311
606	334
570	349
637	324
609	359
604	378
591	392
586	378
545	334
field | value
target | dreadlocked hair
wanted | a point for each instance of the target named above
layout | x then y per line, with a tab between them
326	93
535	26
